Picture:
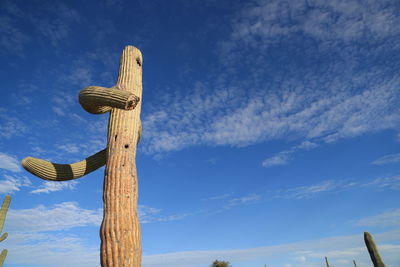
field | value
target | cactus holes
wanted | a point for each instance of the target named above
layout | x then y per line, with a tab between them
138	62
126	146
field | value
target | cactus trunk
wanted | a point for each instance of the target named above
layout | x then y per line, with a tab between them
120	229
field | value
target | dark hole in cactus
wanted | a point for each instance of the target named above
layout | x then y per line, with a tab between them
138	62
115	138
126	145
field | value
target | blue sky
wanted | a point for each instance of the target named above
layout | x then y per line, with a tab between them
271	129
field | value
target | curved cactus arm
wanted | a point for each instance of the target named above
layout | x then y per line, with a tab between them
3	256
373	250
3	213
98	100
62	172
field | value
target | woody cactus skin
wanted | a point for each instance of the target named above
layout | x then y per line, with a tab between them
3	213
120	230
373	250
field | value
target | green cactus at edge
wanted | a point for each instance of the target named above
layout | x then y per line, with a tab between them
3	213
373	250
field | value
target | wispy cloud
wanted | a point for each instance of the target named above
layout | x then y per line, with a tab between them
391	182
62	216
385	219
10	184
335	186
219	197
283	157
336	248
331	96
306	192
12	37
10	126
252	198
50	186
388	159
9	162
51	250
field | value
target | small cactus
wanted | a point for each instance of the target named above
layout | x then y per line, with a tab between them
3	256
355	264
373	250
327	263
3	213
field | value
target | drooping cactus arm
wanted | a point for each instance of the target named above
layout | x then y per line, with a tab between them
62	172
97	100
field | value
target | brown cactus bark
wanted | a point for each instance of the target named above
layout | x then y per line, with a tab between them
120	229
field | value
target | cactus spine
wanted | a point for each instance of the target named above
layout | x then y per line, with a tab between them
3	214
120	229
373	250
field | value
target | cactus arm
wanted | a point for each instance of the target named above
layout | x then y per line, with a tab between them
97	100
3	237
373	250
355	264
3	256
3	213
62	172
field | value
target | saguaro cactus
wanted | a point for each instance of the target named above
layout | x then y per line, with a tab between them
120	229
373	250
3	214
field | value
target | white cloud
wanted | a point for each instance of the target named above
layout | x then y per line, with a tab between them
305	192
59	250
10	126
283	157
321	112
388	159
9	163
336	248
392	182
69	148
252	198
12	38
330	21
11	184
385	219
50	186
219	197
63	216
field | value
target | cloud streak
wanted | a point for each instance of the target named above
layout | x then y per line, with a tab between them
388	159
337	248
9	163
